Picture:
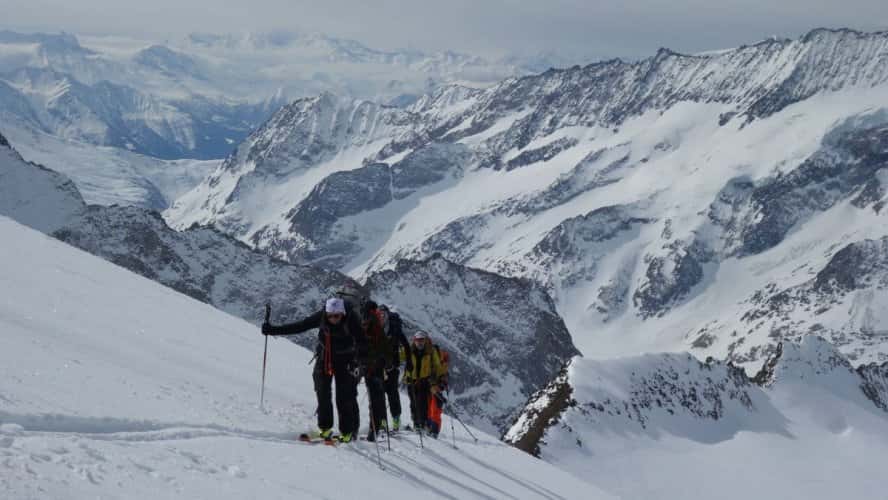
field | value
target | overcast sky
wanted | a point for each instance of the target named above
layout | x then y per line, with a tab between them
594	29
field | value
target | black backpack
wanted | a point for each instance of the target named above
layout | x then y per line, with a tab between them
357	301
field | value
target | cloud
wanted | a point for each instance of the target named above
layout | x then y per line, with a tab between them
593	29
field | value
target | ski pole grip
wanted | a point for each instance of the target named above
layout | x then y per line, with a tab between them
267	312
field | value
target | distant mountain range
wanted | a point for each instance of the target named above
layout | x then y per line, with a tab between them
195	98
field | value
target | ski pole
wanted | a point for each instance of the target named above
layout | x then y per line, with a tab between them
453	411
388	431
264	358
373	428
452	430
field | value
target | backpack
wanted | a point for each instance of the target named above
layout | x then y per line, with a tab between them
356	300
377	334
390	321
444	358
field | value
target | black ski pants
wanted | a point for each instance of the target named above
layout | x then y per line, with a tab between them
419	393
346	393
391	390
376	399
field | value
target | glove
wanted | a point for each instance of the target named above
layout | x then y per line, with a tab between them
267	329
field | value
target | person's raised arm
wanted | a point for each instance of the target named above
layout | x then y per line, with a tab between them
313	321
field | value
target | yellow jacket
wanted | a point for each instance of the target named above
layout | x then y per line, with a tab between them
426	366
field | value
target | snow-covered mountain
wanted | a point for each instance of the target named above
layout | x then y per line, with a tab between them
119	126
106	113
506	338
670	426
678	202
114	386
196	98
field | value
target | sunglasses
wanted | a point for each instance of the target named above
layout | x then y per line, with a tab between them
335	316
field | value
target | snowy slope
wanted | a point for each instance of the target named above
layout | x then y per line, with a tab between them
117	387
34	195
667	204
669	426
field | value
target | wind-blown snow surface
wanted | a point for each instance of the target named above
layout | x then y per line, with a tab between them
679	202
116	387
669	426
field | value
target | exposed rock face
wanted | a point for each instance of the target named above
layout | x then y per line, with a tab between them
849	161
670	278
542	412
857	266
875	385
327	220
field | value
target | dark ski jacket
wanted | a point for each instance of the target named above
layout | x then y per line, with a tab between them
346	338
399	340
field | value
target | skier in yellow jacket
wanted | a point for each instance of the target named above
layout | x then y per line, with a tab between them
424	381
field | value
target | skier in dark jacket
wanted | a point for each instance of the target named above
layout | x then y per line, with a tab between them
399	341
340	338
374	361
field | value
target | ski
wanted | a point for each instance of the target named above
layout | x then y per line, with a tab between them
309	439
